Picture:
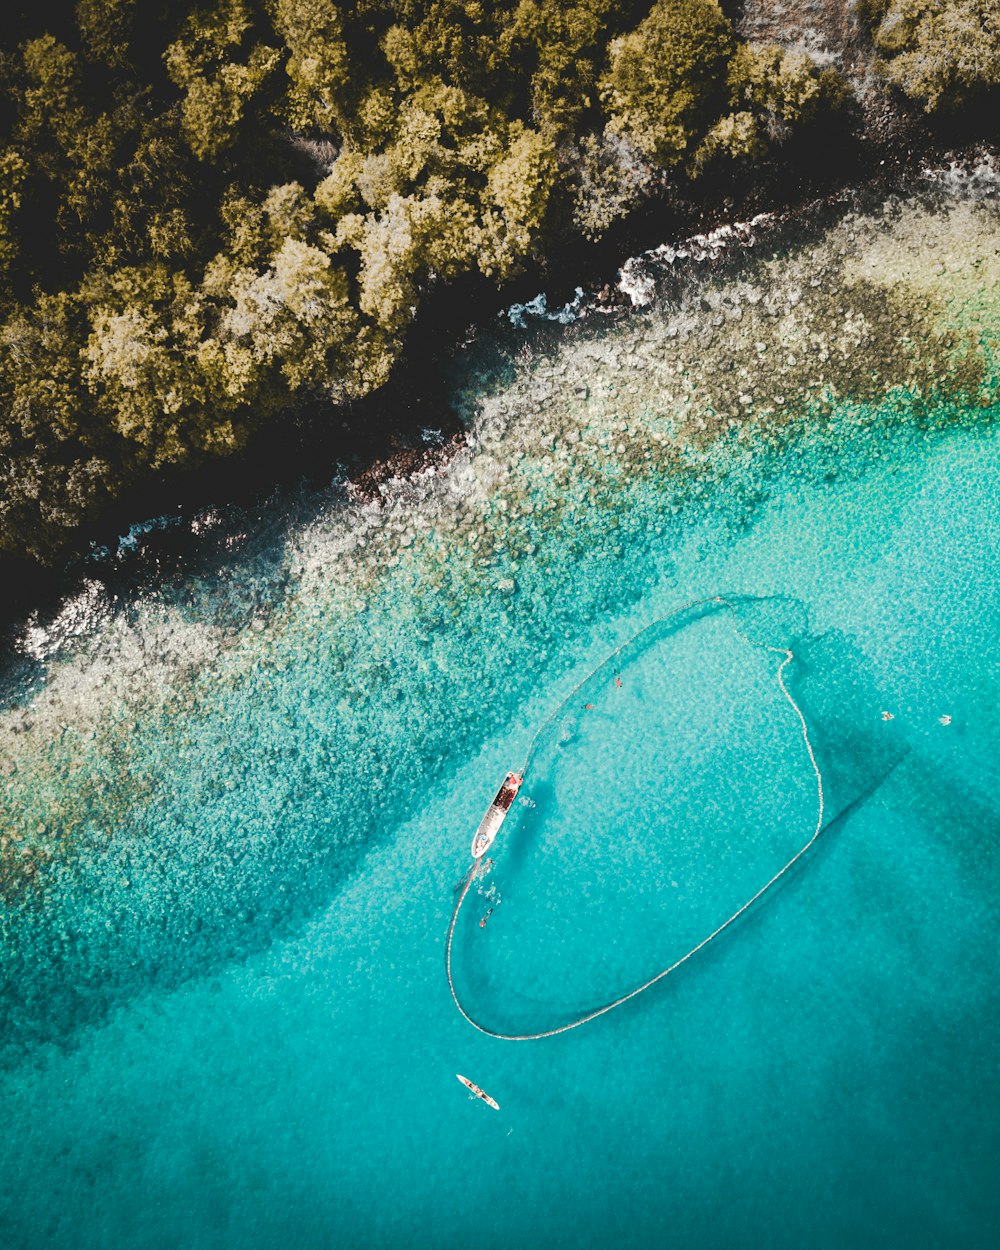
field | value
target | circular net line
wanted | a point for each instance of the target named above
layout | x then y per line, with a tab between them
716	602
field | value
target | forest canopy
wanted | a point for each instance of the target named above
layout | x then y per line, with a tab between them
212	212
942	53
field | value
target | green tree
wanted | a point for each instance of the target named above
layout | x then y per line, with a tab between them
941	52
57	468
13	175
665	78
217	74
317	65
106	28
772	93
212	209
563	45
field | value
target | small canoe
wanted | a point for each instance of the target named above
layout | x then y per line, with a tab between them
474	1089
490	824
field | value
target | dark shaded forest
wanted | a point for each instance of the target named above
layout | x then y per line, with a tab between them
213	214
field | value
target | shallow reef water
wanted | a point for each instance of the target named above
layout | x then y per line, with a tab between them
235	803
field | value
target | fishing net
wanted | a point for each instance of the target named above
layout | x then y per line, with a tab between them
675	786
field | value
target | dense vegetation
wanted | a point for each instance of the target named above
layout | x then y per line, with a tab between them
210	212
943	53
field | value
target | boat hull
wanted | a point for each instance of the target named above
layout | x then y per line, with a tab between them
496	813
479	1093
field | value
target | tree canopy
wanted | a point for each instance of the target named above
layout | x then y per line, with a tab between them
212	211
943	53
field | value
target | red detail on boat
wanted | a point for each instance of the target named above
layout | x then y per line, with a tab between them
490	824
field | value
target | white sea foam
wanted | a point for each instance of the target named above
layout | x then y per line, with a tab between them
635	281
537	309
630	393
135	533
637	278
80	615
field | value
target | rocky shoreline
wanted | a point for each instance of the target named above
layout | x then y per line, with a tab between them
410	426
604	461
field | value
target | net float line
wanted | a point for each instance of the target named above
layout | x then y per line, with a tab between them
717	601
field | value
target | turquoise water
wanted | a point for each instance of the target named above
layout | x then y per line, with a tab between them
826	1076
251	794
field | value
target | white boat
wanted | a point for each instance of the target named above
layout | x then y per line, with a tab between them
490	824
480	1093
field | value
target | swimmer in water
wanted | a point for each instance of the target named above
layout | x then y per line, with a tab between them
888	716
944	720
618	681
482	923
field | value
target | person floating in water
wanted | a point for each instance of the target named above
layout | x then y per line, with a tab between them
618	680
